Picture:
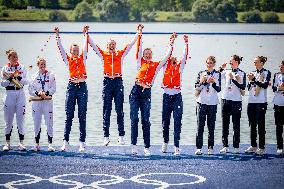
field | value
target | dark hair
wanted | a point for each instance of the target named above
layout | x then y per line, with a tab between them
237	58
262	59
212	58
10	52
282	62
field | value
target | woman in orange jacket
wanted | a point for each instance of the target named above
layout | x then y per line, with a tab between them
140	96
112	60
172	98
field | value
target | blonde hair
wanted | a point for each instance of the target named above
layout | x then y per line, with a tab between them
73	45
147	49
212	58
39	59
10	52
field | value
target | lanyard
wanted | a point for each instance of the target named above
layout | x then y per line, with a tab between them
209	74
257	76
42	81
235	71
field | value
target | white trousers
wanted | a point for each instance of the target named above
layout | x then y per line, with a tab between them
14	102
44	108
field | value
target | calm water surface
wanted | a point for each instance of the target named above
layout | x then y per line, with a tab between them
221	46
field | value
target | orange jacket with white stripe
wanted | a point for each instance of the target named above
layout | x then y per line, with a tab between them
76	66
113	61
148	70
173	73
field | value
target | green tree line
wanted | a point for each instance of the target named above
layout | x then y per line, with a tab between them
145	10
147	5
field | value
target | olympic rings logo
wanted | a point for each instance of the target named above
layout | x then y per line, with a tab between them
99	184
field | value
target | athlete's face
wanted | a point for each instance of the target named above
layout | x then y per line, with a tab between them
13	58
111	45
210	64
258	65
147	54
234	63
281	68
74	50
42	66
173	60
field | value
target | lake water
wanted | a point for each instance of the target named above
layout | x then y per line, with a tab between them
201	46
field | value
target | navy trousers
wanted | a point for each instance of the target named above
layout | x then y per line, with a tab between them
256	115
279	122
204	111
234	109
140	99
113	89
172	103
76	93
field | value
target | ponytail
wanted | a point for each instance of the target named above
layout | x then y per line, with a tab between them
237	58
262	59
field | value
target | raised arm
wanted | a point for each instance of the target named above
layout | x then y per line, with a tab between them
166	58
130	45
98	51
169	50
139	51
85	42
60	47
185	52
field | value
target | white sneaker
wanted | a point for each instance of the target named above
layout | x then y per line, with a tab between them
64	146
260	151
106	141
224	150
177	151
198	152
251	150
121	140
210	151
36	148
279	151
134	150
236	150
164	147
82	147
50	148
147	152
22	147
7	147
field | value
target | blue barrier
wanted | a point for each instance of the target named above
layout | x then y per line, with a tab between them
151	33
